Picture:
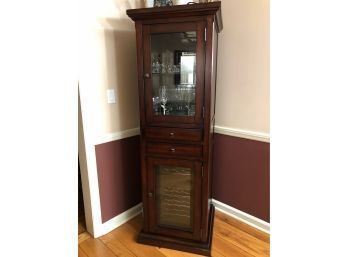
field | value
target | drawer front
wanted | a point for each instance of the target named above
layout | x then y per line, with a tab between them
174	149
174	134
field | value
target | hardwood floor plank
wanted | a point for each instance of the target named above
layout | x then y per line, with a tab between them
95	248
242	226
119	249
173	253
126	234
215	253
231	238
81	253
243	240
84	236
224	248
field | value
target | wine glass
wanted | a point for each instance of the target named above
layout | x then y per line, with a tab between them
188	100
163	98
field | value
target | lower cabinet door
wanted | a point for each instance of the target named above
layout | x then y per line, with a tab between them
174	192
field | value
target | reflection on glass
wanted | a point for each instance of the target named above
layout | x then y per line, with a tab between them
188	66
173	58
173	197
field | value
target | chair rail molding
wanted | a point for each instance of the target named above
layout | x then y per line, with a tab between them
109	137
253	135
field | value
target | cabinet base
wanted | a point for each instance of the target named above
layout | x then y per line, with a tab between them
203	248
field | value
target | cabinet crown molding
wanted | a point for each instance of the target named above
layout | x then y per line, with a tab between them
188	10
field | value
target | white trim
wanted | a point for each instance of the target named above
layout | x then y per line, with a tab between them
118	220
253	135
117	135
242	216
88	167
259	136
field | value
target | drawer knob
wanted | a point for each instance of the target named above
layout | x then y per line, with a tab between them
171	134
172	150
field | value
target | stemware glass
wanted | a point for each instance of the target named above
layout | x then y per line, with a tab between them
163	98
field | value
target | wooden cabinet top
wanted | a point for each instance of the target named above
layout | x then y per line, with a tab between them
188	10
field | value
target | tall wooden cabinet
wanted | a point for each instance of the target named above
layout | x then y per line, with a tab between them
176	58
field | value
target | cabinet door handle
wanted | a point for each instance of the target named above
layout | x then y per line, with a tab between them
172	150
171	134
147	75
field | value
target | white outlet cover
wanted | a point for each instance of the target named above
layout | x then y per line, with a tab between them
111	96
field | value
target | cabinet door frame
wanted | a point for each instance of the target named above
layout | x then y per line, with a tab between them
156	120
196	167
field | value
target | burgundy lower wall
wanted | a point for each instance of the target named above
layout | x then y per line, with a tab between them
118	164
241	177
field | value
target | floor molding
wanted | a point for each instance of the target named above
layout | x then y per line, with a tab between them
134	211
242	216
253	135
118	220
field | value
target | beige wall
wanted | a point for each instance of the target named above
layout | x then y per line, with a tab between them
107	60
242	100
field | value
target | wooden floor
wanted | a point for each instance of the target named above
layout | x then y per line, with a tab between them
231	238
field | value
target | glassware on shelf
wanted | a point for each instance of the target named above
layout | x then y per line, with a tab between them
165	67
163	95
188	100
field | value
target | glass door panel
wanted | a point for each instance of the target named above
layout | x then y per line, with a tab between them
174	73
173	65
174	188
174	196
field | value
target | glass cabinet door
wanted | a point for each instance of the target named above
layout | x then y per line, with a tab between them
174	193
174	73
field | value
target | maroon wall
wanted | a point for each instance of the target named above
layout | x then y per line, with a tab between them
118	164
241	176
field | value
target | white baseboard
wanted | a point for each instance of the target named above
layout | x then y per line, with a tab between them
253	135
117	221
134	211
242	216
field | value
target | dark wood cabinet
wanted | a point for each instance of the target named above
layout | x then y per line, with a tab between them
176	58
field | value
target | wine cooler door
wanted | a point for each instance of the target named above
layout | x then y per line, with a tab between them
174	72
174	197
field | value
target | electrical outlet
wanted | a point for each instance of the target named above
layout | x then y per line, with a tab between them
111	96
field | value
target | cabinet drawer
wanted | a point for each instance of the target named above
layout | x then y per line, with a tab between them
174	149
174	134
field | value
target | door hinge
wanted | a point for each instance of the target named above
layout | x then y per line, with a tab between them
201	233
202	171
205	34
203	111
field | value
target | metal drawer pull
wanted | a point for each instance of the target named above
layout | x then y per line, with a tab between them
172	149
171	134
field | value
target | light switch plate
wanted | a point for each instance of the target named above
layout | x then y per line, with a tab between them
111	96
